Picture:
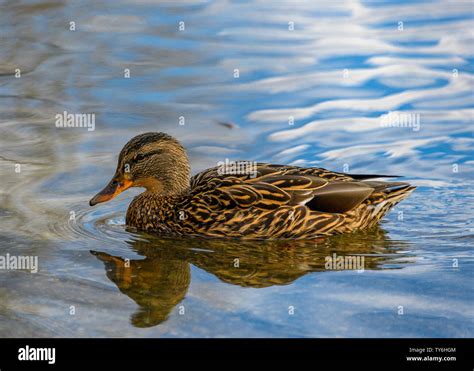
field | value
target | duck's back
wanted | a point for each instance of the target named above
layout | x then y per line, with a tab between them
275	201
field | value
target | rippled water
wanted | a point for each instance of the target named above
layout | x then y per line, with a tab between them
314	81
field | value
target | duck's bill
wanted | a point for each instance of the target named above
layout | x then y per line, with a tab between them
110	191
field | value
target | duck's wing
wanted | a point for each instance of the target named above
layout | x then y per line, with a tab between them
272	186
257	170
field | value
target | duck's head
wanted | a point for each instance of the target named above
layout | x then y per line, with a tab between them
155	161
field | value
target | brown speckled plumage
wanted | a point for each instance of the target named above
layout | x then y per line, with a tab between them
276	202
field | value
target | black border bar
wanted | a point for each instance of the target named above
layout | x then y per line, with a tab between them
84	352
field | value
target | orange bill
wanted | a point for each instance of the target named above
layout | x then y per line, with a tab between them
110	191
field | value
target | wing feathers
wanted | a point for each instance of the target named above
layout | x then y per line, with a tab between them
282	201
339	197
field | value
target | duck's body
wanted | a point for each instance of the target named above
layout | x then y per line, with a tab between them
272	202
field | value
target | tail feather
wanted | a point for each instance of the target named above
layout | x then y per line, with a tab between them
369	212
387	198
398	191
386	187
371	176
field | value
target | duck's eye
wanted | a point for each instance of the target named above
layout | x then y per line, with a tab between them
139	157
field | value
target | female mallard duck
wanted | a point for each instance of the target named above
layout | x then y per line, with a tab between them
271	201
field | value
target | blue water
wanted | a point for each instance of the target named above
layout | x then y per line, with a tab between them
315	95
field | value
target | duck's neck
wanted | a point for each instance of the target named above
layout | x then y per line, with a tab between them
157	189
174	179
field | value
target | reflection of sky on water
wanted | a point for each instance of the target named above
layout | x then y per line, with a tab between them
343	66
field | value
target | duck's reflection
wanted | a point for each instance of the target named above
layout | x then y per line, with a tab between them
160	281
157	283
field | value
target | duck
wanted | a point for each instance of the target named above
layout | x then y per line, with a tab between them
258	201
